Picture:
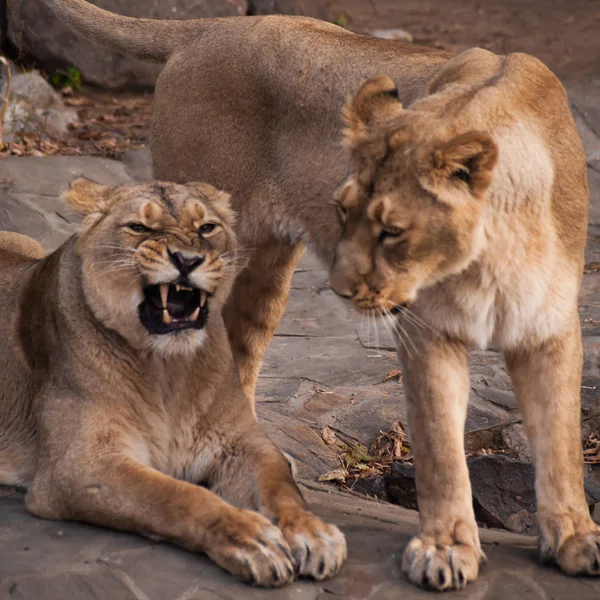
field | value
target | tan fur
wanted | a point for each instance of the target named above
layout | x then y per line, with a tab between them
105	422
225	84
466	208
19	245
482	169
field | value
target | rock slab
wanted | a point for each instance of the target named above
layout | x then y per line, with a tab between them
34	108
54	560
35	32
503	491
307	8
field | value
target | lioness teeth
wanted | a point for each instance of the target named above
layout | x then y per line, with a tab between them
177	287
202	297
194	316
164	294
167	319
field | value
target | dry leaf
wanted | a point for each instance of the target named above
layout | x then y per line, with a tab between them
591	267
335	475
7	491
591	452
77	101
328	435
393	374
321	390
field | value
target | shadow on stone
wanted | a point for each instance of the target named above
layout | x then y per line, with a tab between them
503	491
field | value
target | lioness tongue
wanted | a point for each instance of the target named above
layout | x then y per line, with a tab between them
177	307
168	319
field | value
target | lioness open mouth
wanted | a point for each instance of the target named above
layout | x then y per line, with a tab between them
172	307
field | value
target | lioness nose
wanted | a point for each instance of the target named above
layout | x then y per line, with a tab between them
340	286
185	264
341	293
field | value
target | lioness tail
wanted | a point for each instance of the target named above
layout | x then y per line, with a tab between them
148	39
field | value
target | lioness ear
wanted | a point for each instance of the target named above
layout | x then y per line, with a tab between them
464	163
376	100
221	202
86	196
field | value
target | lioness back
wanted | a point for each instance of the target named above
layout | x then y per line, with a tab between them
12	243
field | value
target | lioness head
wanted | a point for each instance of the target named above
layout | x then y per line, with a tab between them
156	259
412	205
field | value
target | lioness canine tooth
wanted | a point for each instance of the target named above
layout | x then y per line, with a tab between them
164	294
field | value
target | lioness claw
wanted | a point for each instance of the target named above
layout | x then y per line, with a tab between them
441	567
253	550
318	548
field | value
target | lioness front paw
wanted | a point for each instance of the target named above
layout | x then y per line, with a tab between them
572	541
441	566
580	555
318	548
249	547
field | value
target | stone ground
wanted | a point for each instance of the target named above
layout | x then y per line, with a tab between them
324	367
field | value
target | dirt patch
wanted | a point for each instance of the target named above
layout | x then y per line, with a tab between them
564	34
108	124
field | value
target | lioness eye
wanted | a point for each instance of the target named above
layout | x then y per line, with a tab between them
342	213
391	233
207	228
138	228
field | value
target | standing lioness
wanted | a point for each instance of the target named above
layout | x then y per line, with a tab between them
470	207
119	395
473	205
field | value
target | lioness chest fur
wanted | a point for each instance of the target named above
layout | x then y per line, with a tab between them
119	395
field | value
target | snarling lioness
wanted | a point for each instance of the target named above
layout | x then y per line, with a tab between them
120	402
471	205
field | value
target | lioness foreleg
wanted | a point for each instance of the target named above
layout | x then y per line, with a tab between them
124	494
547	380
446	554
257	304
259	476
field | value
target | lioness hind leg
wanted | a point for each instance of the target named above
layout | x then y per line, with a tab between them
446	554
258	476
127	495
547	380
256	306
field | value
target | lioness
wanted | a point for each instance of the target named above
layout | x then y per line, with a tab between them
472	206
118	389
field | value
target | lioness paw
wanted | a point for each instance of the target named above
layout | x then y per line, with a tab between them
570	540
580	555
441	567
252	549
318	548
